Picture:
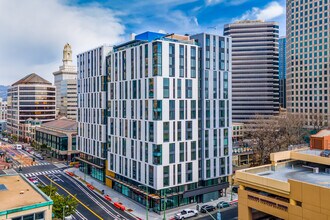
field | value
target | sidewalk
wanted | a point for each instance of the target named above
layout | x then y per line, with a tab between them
137	209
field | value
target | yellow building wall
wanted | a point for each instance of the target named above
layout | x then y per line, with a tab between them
306	202
108	182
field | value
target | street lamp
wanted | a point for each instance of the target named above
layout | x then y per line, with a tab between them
66	206
147	199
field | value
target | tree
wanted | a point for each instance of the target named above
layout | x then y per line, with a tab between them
48	190
62	204
14	137
273	134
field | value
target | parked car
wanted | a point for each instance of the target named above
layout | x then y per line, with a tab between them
223	204
39	156
207	208
235	189
325	153
18	147
186	213
34	180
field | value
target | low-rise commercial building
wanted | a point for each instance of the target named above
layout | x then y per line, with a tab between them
321	140
60	136
238	133
295	186
21	199
28	129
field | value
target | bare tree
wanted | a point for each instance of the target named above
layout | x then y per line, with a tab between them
273	134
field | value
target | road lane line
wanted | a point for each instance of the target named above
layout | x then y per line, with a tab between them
95	199
74	197
76	211
95	196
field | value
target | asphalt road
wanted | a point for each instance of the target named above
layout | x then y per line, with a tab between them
91	205
33	169
226	214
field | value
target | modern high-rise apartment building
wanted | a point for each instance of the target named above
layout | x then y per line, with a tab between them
308	67
255	81
155	108
31	98
3	115
92	111
3	110
215	115
65	80
282	70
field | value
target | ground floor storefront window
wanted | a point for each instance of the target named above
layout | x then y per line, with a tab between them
94	172
156	205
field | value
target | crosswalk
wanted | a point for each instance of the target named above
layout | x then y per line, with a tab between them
31	165
43	173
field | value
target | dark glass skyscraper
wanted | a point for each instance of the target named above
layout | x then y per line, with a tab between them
255	87
282	70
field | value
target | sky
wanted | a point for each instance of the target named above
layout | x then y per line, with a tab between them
34	32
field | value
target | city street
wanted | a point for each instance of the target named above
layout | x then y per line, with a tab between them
91	205
230	213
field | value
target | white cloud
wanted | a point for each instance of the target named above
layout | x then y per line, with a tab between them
34	32
228	2
271	11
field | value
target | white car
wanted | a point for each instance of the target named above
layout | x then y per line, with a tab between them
186	213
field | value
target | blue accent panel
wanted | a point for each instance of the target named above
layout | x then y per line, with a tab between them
149	36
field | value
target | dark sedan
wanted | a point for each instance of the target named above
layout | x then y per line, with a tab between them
207	208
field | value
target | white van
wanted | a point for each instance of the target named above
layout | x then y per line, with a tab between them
18	147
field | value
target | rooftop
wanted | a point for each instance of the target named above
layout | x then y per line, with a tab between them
322	133
304	165
297	171
148	36
19	193
61	124
32	79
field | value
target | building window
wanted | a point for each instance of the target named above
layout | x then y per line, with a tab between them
172	153
188	88
181	109
145	60
151	88
182	152
166	131
166	175
179	174
225	85
157	154
193	109
188	130
172	59
189	172
157	58
179	88
157	110
166	87
146	109
151	131
172	109
181	57
193	62
146	153
151	175
179	131
193	150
